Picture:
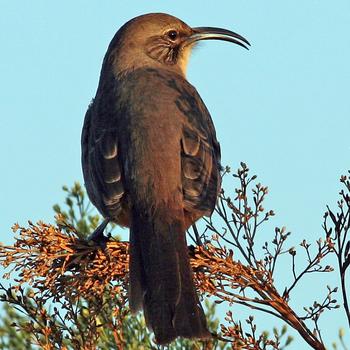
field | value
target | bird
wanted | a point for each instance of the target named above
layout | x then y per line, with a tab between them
151	162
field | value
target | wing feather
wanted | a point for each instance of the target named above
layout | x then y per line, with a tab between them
101	166
200	158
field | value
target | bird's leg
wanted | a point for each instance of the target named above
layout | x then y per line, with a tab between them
196	233
98	237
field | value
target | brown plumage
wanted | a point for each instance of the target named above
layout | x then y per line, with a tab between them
151	162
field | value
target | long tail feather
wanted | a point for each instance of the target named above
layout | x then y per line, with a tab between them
161	277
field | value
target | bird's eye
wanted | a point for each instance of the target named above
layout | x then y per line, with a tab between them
172	34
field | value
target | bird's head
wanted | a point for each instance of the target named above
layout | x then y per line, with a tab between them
158	39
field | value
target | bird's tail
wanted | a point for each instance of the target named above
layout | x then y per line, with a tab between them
161	279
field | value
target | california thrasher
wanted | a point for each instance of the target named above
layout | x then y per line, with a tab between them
151	162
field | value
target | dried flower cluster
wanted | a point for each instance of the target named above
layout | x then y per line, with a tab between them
64	267
63	264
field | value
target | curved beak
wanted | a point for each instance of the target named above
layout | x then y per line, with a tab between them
212	33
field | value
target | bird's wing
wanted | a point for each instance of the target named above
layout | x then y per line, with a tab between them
101	165
200	156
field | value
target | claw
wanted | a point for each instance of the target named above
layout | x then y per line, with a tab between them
98	237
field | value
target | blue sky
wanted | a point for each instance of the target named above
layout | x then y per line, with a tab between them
283	107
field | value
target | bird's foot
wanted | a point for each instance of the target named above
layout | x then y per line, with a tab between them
98	237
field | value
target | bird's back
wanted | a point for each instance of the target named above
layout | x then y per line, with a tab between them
150	125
